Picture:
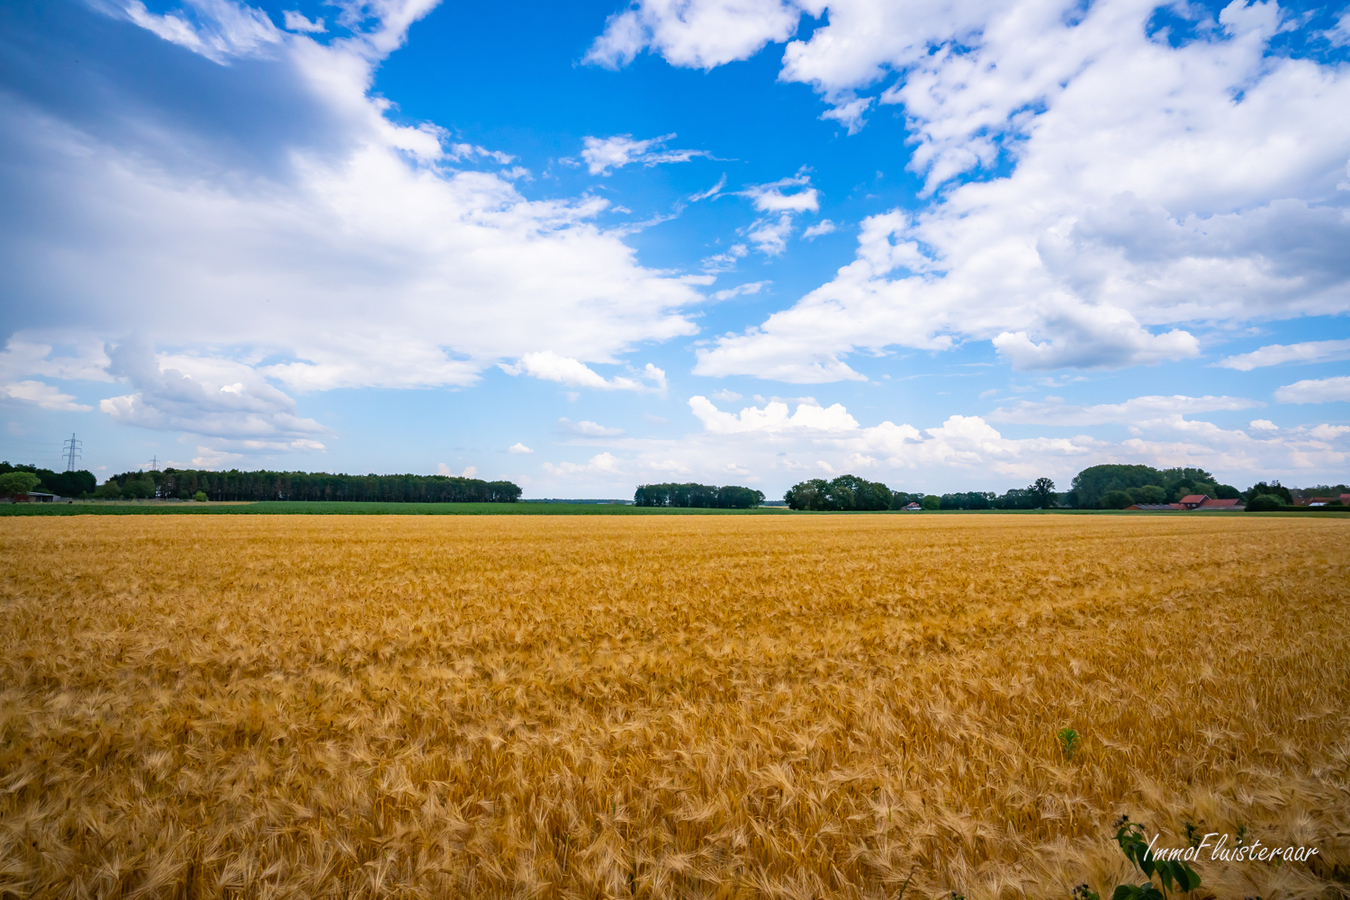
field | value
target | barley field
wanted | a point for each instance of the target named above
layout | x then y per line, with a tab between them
652	707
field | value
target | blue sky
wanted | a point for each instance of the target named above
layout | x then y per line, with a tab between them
584	246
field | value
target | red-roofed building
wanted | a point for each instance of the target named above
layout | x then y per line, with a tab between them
1194	501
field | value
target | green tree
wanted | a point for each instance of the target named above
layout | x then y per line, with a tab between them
1274	488
1091	484
1116	500
17	484
1043	493
866	495
109	490
141	488
200	496
808	494
66	484
1264	503
931	502
1149	493
845	493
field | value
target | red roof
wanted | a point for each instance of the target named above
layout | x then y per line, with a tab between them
1220	504
1194	498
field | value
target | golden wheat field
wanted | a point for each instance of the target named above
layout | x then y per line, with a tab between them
666	707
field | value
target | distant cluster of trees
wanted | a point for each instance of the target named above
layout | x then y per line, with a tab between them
66	484
1118	486
1097	487
185	484
847	492
697	496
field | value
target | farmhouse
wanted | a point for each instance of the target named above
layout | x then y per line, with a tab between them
1191	501
31	497
1211	503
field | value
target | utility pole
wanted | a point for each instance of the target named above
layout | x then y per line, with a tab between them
71	451
154	464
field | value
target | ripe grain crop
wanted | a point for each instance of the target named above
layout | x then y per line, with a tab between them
732	707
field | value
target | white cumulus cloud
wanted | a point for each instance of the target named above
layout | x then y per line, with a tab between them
602	463
205	396
1124	187
44	395
696	33
349	250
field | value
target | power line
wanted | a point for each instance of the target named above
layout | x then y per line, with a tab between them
70	451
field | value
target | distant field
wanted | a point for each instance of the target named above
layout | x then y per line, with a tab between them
665	707
340	508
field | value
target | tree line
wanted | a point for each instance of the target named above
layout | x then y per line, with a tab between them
697	496
1111	486
66	484
851	493
185	484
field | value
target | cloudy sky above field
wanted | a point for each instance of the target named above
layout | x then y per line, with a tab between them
948	245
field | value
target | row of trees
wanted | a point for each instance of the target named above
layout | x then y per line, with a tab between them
697	496
1038	495
1097	487
849	492
67	484
263	485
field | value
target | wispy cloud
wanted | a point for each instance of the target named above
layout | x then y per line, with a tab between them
604	154
550	366
771	198
1135	410
1281	354
1321	390
587	428
741	290
824	226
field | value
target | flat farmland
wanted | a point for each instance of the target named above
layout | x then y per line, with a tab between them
666	707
